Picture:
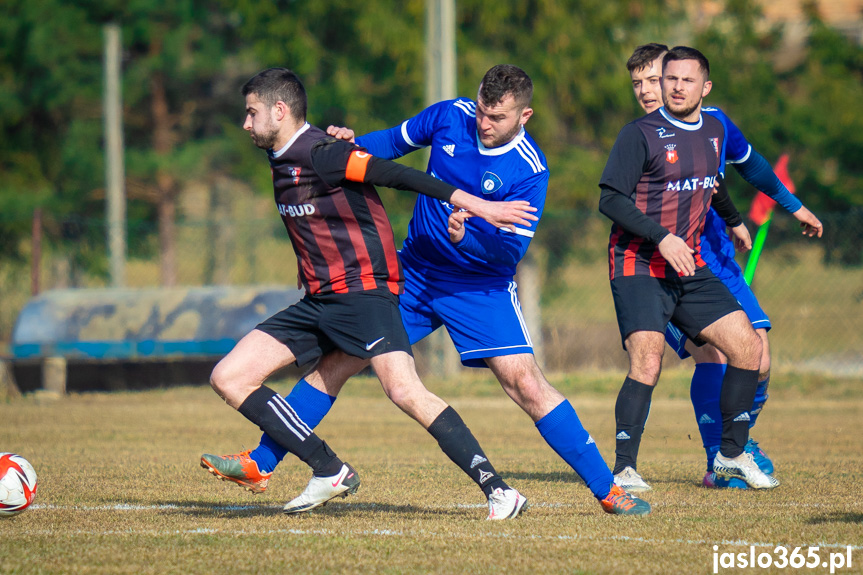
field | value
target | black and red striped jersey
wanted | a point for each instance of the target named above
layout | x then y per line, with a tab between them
666	169
340	232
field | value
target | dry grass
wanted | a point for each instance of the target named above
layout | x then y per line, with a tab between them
121	491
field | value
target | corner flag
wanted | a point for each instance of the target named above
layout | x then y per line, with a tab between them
760	213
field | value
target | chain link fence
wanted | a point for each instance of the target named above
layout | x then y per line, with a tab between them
812	289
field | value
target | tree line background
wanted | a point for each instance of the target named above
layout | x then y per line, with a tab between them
185	61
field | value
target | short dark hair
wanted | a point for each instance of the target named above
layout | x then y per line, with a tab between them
644	55
687	53
279	85
506	79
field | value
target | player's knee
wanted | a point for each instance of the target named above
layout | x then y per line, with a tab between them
227	385
645	368
746	353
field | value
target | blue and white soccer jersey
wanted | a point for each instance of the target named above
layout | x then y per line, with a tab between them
717	249
447	283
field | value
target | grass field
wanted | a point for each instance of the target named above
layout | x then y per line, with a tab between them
120	489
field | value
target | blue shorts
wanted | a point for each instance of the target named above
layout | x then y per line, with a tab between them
483	319
731	276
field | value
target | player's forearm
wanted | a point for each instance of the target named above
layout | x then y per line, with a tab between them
757	171
721	202
620	209
381	172
499	249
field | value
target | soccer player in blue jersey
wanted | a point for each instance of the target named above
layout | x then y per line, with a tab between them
459	271
717	250
324	191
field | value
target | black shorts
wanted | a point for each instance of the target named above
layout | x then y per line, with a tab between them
692	303
363	324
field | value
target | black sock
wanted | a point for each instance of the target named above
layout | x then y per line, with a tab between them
630	415
269	411
459	444
735	401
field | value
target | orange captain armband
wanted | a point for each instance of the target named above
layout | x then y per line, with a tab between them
357	163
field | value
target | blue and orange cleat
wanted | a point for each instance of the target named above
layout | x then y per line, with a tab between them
619	502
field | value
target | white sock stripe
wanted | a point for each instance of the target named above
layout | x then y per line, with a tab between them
285	421
517	307
289	411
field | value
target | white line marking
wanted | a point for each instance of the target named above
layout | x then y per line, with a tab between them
383	532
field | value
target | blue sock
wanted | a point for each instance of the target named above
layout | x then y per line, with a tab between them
760	399
563	431
311	405
704	392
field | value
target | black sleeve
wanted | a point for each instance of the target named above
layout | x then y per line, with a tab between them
336	162
721	202
622	211
626	164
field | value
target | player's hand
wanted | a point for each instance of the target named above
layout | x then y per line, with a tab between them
499	214
811	225
742	239
455	225
678	254
341	133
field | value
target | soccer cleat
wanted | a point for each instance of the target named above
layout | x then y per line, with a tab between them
619	502
239	468
505	504
743	467
761	460
713	481
322	489
631	481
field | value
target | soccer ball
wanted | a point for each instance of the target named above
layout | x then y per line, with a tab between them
17	484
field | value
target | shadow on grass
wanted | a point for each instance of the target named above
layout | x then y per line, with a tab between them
333	509
550	476
836	517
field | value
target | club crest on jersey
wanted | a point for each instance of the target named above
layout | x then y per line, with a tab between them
715	142
671	154
491	183
295	174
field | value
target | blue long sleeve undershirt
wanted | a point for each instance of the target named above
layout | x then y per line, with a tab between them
500	249
757	171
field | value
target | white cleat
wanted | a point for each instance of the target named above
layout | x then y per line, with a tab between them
631	481
322	489
505	504
743	467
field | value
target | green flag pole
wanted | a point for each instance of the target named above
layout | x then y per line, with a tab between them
757	246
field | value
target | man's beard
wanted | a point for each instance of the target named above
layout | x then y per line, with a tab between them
504	139
682	113
266	140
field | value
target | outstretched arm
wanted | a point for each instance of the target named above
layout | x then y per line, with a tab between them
757	171
339	162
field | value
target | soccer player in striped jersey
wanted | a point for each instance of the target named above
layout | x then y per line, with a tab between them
657	187
324	191
459	271
717	250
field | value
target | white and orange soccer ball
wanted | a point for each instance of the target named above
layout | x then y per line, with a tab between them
17	484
